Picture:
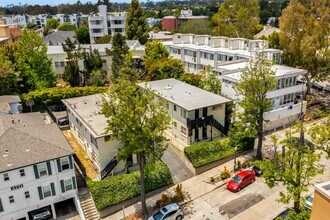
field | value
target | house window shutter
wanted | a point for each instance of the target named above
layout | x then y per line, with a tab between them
49	168
36	172
40	193
59	167
70	162
52	186
62	186
74	182
1	207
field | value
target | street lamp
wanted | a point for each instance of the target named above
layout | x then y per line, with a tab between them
235	148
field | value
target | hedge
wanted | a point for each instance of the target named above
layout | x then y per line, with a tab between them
114	190
207	152
52	96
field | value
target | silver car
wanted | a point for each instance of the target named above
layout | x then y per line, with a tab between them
169	212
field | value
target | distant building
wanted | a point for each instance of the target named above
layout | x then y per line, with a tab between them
106	23
161	36
9	33
36	168
321	201
151	22
10	104
58	37
195	113
266	31
20	20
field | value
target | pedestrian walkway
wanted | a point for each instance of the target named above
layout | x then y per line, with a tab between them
194	188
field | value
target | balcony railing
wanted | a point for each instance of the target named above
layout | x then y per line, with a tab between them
109	167
204	121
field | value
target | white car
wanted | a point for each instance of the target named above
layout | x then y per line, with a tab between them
309	201
169	212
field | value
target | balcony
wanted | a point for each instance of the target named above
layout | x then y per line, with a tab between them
96	18
288	90
95	26
101	34
204	121
285	111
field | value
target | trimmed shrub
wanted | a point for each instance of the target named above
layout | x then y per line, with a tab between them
114	190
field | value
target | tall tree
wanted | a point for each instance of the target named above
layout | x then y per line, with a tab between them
154	51
237	18
253	87
118	52
52	23
92	62
71	72
304	34
136	25
165	68
210	81
138	119
82	35
320	136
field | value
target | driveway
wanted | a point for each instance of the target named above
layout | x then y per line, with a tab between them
178	169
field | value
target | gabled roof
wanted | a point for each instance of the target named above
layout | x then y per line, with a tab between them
7	99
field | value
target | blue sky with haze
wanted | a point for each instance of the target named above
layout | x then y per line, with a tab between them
49	2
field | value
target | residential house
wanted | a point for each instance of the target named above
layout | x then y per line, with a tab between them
58	38
89	127
321	201
10	104
195	113
106	23
286	97
199	51
36	167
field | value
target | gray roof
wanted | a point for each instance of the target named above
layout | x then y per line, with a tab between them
7	99
87	110
29	140
184	95
59	37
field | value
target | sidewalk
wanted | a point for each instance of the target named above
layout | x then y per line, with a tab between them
194	187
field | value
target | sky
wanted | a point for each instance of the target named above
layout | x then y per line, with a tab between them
50	2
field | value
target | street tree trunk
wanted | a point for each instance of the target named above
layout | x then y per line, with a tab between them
142	189
260	134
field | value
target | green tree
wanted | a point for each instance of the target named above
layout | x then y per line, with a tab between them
165	68
98	77
304	34
210	81
155	51
8	78
254	85
138	119
103	40
136	25
274	40
320	136
192	79
30	25
82	35
237	18
71	72
118	52
197	26
52	23
66	27
92	62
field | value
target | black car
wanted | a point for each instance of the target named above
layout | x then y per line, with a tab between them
257	170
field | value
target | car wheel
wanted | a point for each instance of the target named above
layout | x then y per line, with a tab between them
239	189
179	217
253	180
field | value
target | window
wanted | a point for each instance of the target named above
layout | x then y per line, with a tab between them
68	184
27	194
42	169
184	131
62	64
183	113
118	30
174	124
57	64
5	177
46	191
174	107
22	172
65	163
11	199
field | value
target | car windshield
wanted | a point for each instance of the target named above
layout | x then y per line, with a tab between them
158	215
237	179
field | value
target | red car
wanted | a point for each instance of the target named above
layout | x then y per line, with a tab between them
241	180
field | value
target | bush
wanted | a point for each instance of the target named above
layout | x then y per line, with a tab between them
226	173
114	190
52	96
178	194
166	200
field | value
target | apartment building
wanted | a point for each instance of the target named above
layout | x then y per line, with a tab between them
195	113
9	33
160	36
16	20
89	128
321	201
36	168
10	104
199	51
106	23
286	98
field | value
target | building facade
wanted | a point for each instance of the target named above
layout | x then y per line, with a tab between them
198	51
321	201
36	167
286	97
105	23
196	114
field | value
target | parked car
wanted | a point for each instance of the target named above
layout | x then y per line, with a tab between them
169	212
257	170
309	201
41	214
241	180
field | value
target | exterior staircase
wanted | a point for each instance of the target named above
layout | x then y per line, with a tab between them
88	205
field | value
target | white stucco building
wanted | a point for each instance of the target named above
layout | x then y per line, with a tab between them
198	51
89	128
106	23
195	113
36	167
286	95
10	104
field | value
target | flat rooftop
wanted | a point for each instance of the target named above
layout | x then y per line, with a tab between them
324	189
184	95
87	110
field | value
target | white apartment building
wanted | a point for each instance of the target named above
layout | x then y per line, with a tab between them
89	128
286	96
16	20
199	51
195	113
10	104
36	168
106	23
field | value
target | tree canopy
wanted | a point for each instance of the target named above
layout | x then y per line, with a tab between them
82	35
198	26
66	27
103	40
165	68
52	23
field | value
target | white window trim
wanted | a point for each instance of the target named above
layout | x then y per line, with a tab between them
63	158
39	169
65	185
43	192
